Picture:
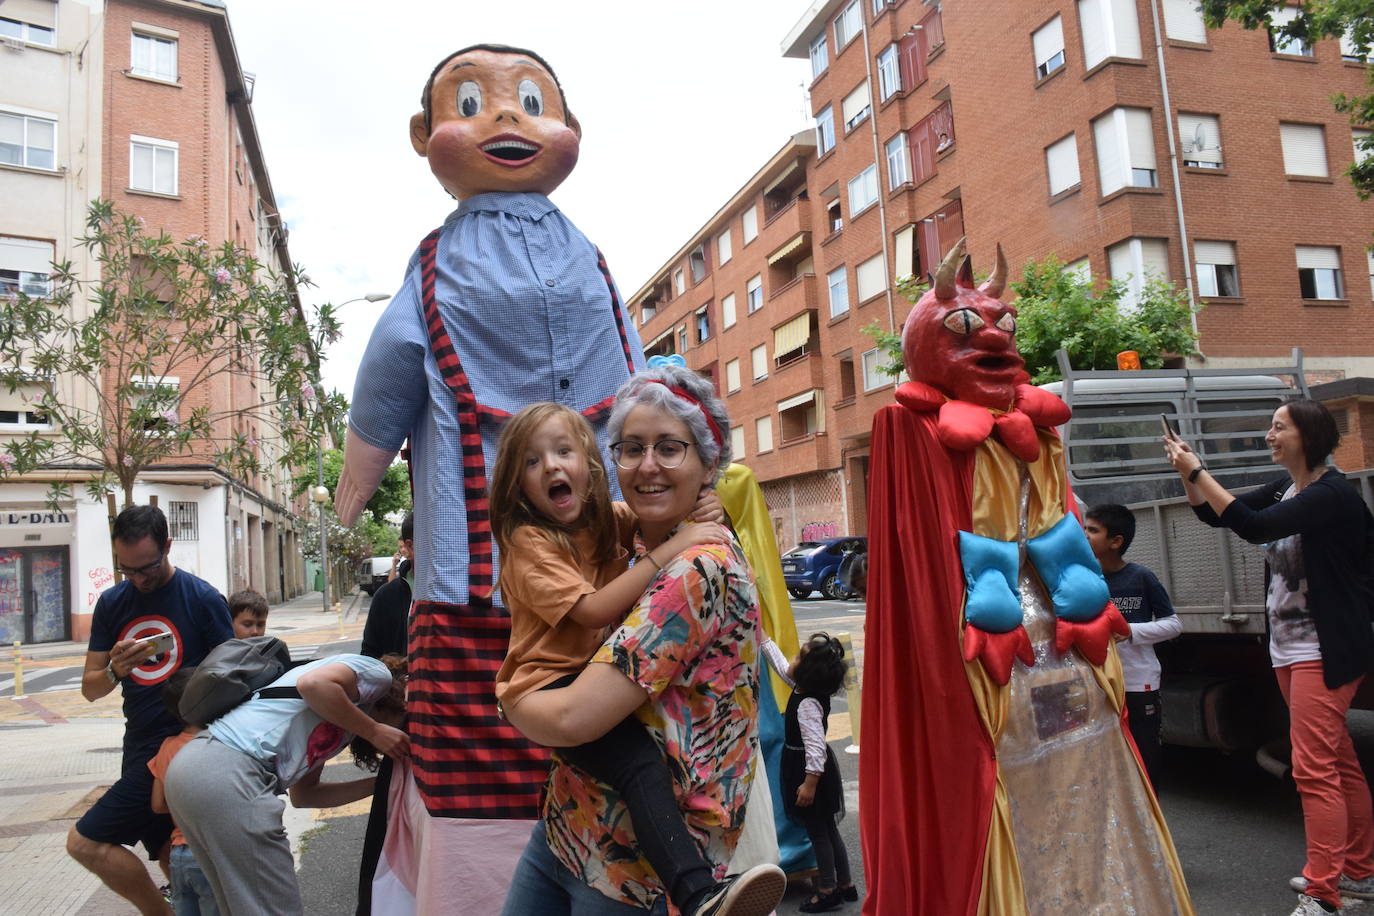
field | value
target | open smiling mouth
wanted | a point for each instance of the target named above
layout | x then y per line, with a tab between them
998	363
560	494
510	150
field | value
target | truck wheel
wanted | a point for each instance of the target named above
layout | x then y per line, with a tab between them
799	593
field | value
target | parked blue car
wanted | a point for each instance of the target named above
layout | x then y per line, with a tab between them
814	566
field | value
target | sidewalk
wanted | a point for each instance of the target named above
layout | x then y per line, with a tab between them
61	753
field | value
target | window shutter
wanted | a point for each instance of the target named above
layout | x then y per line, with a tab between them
1061	160
26	255
1183	21
763	431
911	59
870	278
793	335
34	12
1214	252
903	244
1154	259
727	311
1124	29
1140	139
854	103
1093	29
1112	168
737	442
1121	260
758	358
1048	40
732	382
1304	149
1318	257
1192	126
1356	135
922	143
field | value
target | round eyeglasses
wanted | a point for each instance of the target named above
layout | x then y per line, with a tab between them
668	453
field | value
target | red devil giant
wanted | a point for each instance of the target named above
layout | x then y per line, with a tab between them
997	776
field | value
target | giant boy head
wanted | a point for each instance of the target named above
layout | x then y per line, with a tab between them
960	339
494	119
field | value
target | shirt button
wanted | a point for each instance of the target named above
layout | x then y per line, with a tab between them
563	383
550	283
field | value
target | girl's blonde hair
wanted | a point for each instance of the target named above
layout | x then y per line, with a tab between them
509	507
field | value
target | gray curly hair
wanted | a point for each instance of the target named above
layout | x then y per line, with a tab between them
663	388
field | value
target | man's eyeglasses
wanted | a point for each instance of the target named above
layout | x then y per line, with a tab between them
148	570
668	453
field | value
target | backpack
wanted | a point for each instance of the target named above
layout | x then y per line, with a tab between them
233	672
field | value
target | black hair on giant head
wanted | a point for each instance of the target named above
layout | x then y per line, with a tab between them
821	668
495	49
1115	520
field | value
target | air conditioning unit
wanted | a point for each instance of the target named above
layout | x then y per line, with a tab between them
14	44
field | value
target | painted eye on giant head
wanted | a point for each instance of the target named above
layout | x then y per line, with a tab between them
531	97
469	99
1007	323
964	321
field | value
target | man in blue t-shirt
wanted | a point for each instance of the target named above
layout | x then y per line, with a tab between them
1143	601
145	628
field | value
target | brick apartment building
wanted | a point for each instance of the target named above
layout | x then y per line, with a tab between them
142	102
1120	135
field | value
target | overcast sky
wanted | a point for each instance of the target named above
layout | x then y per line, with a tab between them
679	104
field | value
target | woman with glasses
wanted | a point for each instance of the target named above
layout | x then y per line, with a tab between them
684	663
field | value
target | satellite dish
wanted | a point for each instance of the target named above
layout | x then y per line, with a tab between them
1199	137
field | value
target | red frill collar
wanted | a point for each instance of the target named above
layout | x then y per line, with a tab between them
963	425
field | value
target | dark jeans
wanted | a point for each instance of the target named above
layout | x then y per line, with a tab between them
832	859
1144	712
629	761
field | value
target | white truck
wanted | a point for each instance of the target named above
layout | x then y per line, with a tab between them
1218	688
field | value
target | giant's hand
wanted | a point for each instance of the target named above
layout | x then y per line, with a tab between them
364	466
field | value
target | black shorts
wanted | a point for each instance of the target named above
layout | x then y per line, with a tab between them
124	815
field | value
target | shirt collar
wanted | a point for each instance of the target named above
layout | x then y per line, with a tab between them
524	204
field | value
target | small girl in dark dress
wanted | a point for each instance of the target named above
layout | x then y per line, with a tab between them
812	791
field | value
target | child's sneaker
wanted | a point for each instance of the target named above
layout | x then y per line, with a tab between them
750	893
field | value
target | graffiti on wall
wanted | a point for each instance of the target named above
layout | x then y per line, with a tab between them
819	531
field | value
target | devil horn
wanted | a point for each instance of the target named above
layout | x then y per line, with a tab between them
944	275
997	283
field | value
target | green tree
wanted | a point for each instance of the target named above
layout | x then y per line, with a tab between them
1056	308
1352	19
123	367
391	498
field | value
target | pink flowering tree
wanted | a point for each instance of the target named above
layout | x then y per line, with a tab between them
178	352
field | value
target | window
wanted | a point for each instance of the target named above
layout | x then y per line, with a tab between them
28	141
1304	149
737	442
898	162
1201	139
1111	28
758	361
837	281
182	521
22	408
825	131
152	165
1183	21
697	262
833	218
679	284
1047	43
682	339
878	7
1319	272
25	266
1125	150
751	225
1081	270
647	313
157	398
732	382
703	323
856	107
800	416
847	25
1061	162
763	432
792	339
727	311
753	293
1135	262
869	278
723	249
1370	256
1216	268
37	26
889	77
155	56
1283	44
820	55
847	389
863	190
1364	147
872	361
1349	51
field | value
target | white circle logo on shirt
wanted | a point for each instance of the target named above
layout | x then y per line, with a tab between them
161	666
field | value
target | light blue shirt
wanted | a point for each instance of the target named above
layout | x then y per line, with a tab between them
286	734
529	313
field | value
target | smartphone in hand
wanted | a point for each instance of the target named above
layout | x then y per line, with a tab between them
159	644
1169	431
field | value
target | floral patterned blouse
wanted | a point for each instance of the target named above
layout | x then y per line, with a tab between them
692	643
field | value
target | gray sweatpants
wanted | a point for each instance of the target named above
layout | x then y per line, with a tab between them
226	804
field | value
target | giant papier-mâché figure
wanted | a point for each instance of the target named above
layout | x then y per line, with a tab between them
505	304
997	776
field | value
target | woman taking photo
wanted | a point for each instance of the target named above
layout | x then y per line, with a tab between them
1316	532
684	662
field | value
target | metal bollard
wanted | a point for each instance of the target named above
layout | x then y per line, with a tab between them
853	680
18	670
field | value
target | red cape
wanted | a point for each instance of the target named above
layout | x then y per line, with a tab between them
926	773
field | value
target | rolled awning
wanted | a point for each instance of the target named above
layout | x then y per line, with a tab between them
797	241
797	401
